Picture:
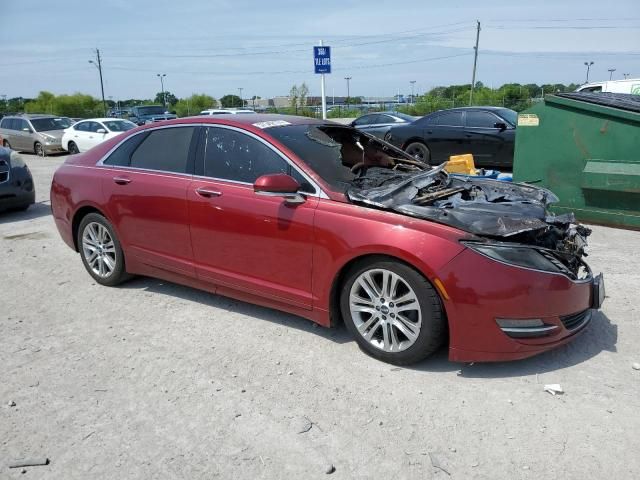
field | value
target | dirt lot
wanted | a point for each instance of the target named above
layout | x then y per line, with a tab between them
154	380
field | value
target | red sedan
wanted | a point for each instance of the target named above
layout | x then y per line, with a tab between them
331	224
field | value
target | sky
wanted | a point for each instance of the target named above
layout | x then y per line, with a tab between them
218	46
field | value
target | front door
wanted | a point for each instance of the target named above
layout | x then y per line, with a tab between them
444	135
491	146
242	240
146	189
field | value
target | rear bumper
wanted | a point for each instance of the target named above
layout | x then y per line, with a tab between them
482	291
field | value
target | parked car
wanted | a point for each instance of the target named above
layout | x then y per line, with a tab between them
36	133
17	191
629	85
379	123
332	224
225	111
486	132
144	114
86	134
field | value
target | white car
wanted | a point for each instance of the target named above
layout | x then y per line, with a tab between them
630	85
225	111
86	134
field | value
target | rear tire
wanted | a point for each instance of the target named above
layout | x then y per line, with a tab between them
393	312
38	149
419	151
6	144
73	148
101	251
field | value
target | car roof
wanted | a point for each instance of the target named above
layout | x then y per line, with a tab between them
33	116
248	119
106	119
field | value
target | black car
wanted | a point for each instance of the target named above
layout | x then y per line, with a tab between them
17	191
379	123
149	114
486	132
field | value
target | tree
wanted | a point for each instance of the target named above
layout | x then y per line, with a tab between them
171	99
194	104
229	101
293	98
76	105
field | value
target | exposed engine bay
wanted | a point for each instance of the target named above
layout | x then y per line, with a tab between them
500	212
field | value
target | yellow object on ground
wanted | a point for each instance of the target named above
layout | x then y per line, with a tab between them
461	164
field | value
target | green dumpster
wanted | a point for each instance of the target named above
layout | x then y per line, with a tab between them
584	147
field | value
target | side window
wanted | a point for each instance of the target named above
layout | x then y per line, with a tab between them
366	120
450	119
165	149
22	124
81	127
481	119
121	157
4	123
428	120
231	155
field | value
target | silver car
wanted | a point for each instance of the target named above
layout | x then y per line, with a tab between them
41	134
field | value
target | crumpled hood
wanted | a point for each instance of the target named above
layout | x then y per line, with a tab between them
503	211
476	205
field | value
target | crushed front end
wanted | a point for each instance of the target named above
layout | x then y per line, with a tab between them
521	286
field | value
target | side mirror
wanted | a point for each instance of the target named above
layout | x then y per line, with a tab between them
101	130
500	125
279	185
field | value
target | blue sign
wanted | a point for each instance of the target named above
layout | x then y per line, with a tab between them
322	59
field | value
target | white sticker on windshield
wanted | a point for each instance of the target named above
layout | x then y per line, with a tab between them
272	123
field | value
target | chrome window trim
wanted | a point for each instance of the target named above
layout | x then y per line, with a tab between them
319	191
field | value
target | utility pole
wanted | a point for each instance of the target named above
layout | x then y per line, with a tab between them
611	70
588	65
412	82
475	63
240	90
98	65
348	95
164	97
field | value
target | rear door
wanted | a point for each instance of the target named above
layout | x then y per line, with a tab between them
445	136
242	240
21	138
146	190
80	135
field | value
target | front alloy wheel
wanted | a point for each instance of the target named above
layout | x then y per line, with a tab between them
392	311
385	310
419	151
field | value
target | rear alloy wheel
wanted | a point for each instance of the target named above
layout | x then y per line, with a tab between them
100	250
419	151
73	148
393	312
38	150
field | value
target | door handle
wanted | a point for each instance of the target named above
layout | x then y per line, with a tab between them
205	192
121	180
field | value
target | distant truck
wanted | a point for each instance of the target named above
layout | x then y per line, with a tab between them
149	114
630	85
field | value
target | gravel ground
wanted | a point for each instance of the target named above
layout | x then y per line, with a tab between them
154	380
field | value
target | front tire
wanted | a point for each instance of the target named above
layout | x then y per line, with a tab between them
73	148
419	151
392	311
100	250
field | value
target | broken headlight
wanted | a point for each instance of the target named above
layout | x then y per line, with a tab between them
518	256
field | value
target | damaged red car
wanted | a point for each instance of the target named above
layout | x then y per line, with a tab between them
329	223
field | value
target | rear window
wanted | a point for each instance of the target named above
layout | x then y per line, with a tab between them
165	149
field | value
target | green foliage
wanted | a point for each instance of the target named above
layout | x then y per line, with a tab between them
339	112
194	104
171	99
229	101
76	105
